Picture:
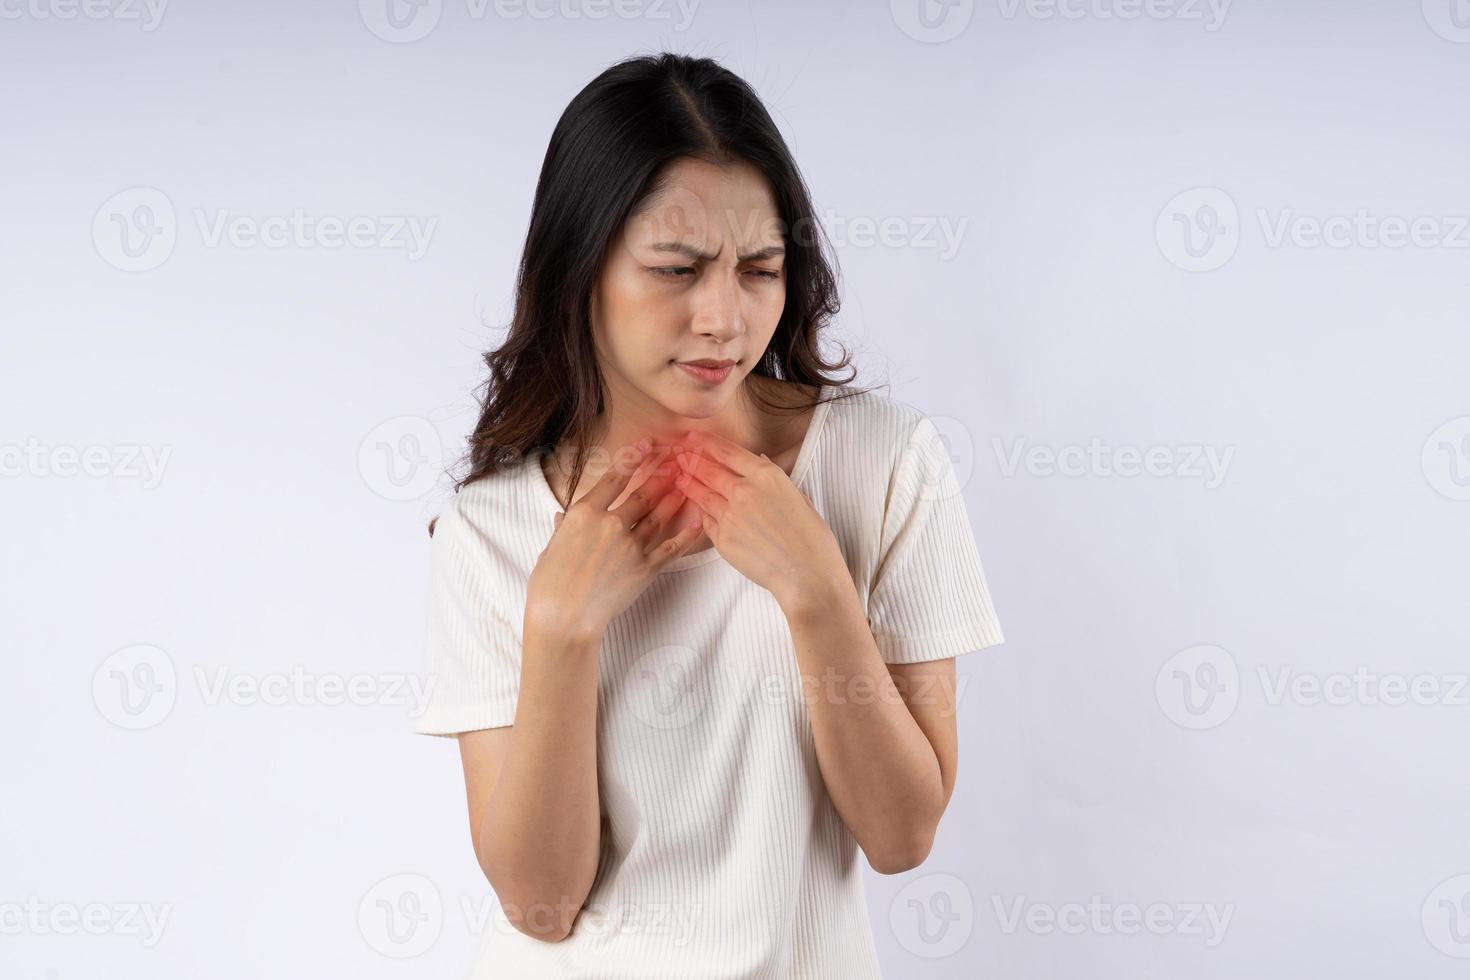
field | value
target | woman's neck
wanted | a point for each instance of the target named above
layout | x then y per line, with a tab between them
745	422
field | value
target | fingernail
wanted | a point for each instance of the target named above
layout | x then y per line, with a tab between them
645	444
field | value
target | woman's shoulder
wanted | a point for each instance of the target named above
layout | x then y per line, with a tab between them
871	420
496	507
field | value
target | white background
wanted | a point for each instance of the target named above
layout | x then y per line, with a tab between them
1131	744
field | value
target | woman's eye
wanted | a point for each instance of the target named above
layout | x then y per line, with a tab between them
684	271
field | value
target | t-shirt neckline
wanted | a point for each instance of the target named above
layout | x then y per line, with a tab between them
798	474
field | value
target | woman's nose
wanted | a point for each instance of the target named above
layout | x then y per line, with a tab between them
717	310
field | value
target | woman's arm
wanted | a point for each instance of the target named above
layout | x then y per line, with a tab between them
885	740
532	788
885	735
535	818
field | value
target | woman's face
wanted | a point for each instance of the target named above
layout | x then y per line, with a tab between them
697	275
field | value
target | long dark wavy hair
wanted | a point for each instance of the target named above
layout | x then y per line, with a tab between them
606	157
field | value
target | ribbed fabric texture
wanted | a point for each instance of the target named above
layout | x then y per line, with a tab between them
722	857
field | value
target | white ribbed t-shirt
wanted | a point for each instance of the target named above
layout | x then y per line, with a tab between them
722	856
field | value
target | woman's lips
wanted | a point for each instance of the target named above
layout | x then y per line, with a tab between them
708	375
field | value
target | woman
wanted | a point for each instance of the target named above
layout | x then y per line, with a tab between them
696	604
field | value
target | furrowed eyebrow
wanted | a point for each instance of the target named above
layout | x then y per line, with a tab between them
690	252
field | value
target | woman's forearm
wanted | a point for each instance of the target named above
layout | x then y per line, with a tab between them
539	833
879	768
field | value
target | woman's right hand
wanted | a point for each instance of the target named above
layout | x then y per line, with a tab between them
598	559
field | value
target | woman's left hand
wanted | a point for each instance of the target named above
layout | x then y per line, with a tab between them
757	518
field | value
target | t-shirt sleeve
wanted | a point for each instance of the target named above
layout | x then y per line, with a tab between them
472	655
929	599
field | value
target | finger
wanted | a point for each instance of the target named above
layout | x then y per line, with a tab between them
712	474
612	483
663	460
731	455
707	499
656	524
644	497
672	548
